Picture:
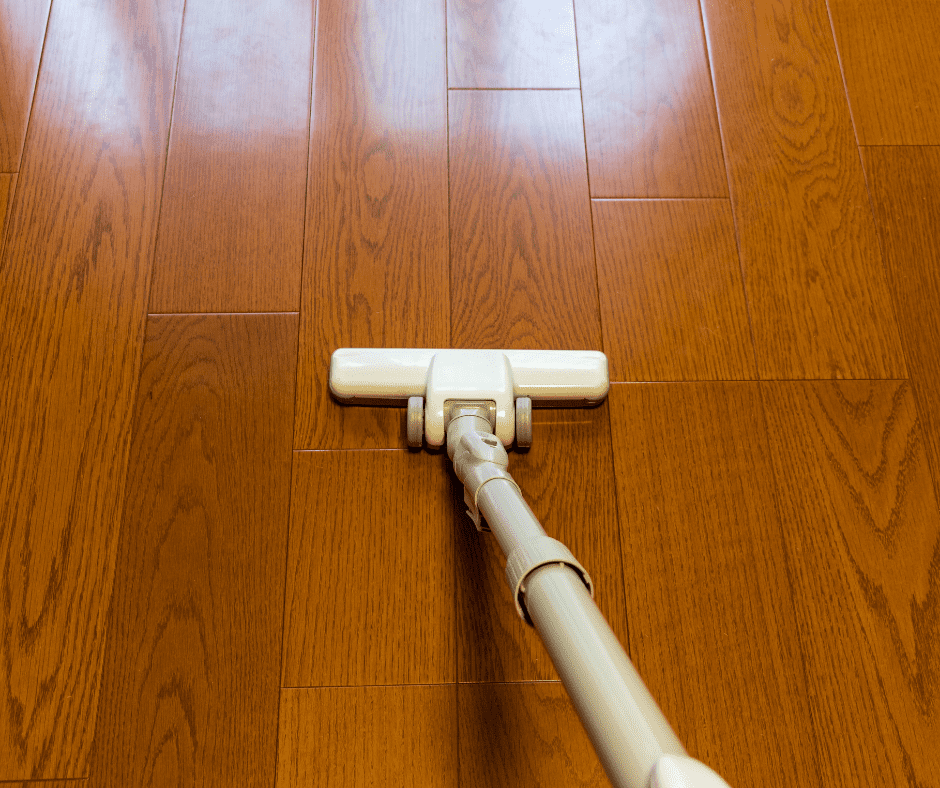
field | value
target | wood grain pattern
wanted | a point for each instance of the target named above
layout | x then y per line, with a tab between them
22	31
74	292
511	44
522	268
905	192
863	535
523	734
670	288
649	109
7	189
370	579
358	737
191	678
891	64
375	270
567	479
232	218
712	629
815	284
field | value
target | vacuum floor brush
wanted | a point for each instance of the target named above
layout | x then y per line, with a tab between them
479	402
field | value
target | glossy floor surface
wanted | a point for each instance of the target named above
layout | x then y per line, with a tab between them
212	574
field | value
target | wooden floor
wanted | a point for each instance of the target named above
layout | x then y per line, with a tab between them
212	574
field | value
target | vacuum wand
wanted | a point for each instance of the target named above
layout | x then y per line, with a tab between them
479	401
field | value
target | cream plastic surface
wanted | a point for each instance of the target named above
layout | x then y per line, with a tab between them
672	771
395	374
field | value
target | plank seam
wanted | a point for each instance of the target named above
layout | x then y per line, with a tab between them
450	342
324	451
901	145
219	314
600	320
290	498
587	171
845	85
661	199
428	684
450	262
5	220
139	360
540	90
32	98
166	161
871	201
703	26
293	426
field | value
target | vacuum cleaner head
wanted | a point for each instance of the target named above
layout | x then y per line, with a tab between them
550	378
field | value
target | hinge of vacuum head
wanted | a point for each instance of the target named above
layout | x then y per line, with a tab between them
453	408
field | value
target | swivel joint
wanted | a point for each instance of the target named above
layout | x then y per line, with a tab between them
477	454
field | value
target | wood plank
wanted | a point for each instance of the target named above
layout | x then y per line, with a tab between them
905	192
649	109
358	737
73	295
370	579
891	64
523	734
22	32
494	644
191	679
712	629
522	267
670	288
7	189
514	44
232	219
375	264
812	268
46	784
863	535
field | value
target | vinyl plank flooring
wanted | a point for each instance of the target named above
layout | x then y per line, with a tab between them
514	44
523	734
73	295
22	31
375	271
232	218
370	579
649	109
522	267
363	736
905	184
812	268
709	601
192	675
891	64
863	533
567	479
670	288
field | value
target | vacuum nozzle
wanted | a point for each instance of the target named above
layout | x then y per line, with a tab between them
394	375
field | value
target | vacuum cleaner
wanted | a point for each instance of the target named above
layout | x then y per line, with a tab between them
478	402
